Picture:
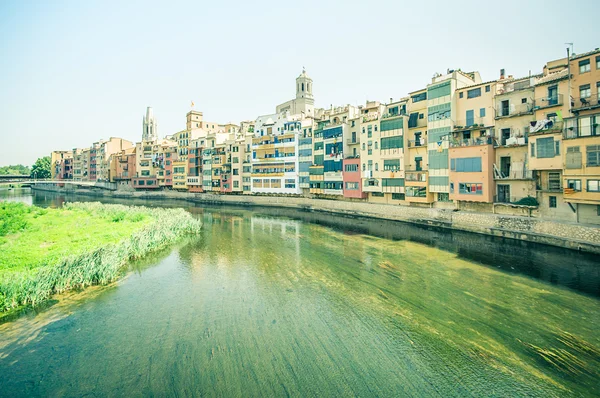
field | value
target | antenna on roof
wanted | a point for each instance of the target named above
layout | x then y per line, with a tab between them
571	45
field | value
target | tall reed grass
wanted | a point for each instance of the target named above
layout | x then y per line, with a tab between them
102	265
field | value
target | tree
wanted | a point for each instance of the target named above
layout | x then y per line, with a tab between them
41	168
17	169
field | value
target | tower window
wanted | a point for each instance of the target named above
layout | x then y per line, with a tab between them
302	86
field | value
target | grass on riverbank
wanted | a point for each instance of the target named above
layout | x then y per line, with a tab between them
47	251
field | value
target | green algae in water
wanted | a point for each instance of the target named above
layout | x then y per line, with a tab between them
273	307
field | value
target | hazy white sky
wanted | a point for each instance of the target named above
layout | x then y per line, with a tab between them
73	72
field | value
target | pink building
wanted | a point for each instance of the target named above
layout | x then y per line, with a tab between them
471	170
352	180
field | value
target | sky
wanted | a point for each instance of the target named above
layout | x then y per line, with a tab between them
75	72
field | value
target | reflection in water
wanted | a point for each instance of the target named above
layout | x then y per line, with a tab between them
263	305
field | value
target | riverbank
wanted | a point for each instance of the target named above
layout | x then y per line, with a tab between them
47	251
573	236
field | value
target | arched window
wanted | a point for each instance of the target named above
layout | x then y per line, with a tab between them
376	167
302	86
364	167
308	87
375	144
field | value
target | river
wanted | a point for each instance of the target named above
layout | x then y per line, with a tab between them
278	302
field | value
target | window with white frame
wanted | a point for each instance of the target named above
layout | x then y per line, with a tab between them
584	66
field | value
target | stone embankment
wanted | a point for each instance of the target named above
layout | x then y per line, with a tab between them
562	234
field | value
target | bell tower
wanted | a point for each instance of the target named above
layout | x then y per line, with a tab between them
150	127
304	86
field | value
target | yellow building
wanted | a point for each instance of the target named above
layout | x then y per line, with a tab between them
415	150
581	140
545	140
514	113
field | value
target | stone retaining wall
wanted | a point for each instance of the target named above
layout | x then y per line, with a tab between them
556	233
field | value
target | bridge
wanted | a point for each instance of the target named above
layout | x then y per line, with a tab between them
26	180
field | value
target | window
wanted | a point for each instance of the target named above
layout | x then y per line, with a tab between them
466	165
351	167
236	184
363	146
145	173
554	181
523	100
416	192
557	148
392	182
377	194
533	149
585	91
593	185
391	165
552	201
376	167
392	142
487	88
573	160
460	95
375	128
593	155
421	116
364	167
546	148
369	131
352	186
482	112
474	93
470	188
236	172
375	144
419	97
574	185
584	66
398	196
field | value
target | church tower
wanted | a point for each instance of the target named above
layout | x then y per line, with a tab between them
150	127
304	87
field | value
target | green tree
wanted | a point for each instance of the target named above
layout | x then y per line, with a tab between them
41	168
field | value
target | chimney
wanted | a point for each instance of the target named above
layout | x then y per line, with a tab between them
501	74
391	100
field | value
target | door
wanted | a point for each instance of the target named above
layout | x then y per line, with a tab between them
505	166
418	162
353	136
553	95
417	139
470	118
503	193
505	110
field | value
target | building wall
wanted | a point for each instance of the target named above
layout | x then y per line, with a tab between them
484	177
353	179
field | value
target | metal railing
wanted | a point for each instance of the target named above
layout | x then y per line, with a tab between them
514	109
455	143
545	102
415	176
470	123
585	102
417	143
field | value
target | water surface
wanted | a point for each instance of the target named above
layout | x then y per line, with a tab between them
271	305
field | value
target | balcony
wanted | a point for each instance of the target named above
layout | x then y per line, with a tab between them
585	103
470	124
415	175
547	102
514	110
457	143
516	171
583	131
351	141
417	143
546	127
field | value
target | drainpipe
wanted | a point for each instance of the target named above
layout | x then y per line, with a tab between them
569	73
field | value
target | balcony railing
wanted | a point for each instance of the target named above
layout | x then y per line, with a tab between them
515	172
514	110
455	143
585	131
351	141
415	176
476	122
417	143
583	103
555	100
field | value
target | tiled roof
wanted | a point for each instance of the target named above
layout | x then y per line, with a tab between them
577	56
563	74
